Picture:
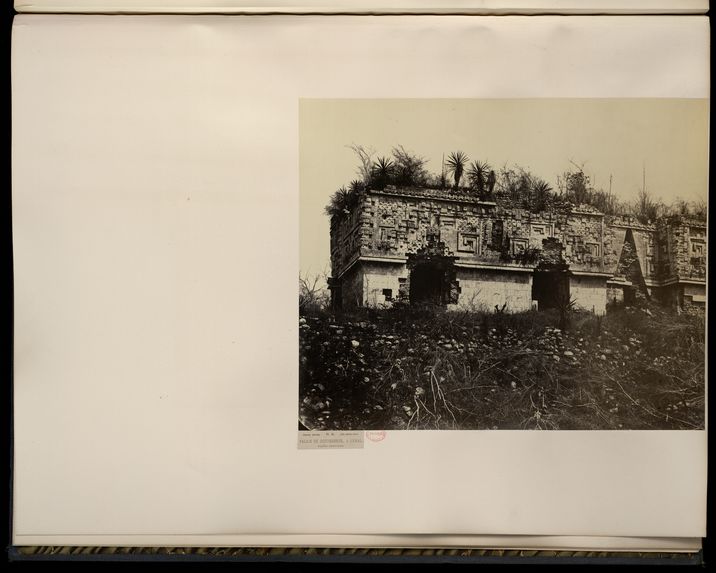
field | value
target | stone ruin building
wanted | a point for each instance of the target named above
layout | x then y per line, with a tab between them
449	248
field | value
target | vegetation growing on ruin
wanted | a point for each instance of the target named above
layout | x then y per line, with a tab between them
403	368
510	184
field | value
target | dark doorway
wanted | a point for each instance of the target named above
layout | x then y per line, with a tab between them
427	284
550	288
433	276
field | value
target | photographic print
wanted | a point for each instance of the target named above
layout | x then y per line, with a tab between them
502	264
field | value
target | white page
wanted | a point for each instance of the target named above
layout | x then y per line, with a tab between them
155	201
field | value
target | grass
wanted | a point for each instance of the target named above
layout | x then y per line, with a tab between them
409	368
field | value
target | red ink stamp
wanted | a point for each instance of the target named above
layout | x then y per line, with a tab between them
375	435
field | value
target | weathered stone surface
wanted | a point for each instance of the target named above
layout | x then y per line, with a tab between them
496	247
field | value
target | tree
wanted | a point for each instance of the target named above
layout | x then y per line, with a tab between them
691	209
516	183
680	207
575	185
456	165
491	181
699	209
442	180
606	202
436	181
408	168
646	208
524	188
365	158
313	296
644	205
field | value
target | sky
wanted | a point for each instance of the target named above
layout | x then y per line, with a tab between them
667	139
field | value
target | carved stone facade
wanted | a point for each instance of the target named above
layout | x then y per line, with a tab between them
449	248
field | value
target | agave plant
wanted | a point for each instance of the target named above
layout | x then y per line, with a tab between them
456	162
337	202
356	186
479	173
540	194
382	172
542	188
342	201
565	306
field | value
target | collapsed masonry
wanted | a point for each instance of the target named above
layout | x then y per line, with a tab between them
448	248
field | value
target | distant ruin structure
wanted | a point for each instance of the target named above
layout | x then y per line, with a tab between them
447	247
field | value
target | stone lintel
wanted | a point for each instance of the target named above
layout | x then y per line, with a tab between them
467	200
477	266
674	281
619	282
391	260
691	281
636	227
590	274
587	213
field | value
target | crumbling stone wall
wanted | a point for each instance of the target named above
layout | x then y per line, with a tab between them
697	251
483	289
589	293
615	293
398	224
693	295
382	283
391	224
683	248
583	237
614	236
688	297
346	238
644	239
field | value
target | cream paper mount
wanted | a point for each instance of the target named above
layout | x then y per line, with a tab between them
156	249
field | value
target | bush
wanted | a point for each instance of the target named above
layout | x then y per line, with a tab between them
422	368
